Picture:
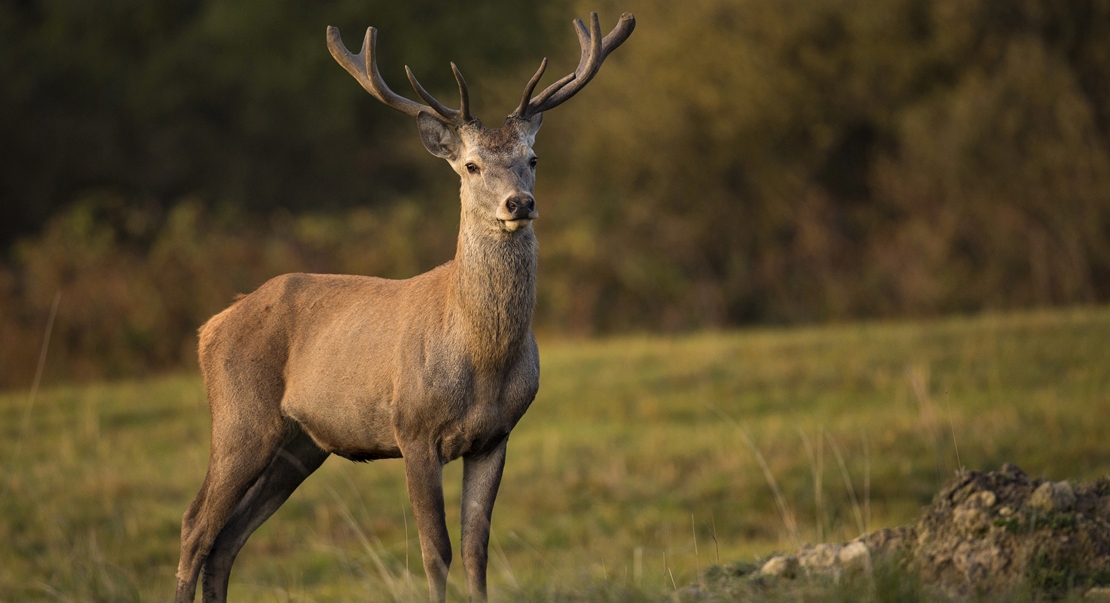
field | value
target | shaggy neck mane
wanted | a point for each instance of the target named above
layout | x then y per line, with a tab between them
494	287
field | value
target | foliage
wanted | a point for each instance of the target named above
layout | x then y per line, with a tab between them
786	161
629	470
237	103
135	286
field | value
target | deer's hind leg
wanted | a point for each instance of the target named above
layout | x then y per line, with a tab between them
246	436
295	460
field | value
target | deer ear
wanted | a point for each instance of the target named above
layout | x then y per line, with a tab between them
438	137
531	126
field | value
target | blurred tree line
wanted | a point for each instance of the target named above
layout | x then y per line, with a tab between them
737	161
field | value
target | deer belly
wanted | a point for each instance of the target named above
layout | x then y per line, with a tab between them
356	428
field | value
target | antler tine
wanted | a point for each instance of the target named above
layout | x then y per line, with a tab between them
451	114
384	94
546	94
594	51
588	64
364	67
351	62
529	87
619	34
586	46
464	94
586	39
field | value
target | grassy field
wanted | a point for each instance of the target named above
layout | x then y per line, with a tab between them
643	461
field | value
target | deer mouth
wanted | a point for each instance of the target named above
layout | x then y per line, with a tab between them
515	224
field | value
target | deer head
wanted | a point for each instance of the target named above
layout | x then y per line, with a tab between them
497	166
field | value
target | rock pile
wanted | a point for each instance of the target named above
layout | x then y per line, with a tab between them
986	532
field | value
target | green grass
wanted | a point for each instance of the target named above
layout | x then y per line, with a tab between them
634	452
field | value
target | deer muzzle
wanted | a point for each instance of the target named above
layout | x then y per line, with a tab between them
518	209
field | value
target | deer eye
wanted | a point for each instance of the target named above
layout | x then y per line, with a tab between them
533	161
473	169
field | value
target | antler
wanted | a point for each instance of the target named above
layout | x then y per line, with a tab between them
594	51
364	67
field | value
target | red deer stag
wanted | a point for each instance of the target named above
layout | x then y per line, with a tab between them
432	368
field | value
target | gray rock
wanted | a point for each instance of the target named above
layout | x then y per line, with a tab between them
987	499
783	566
889	540
855	556
820	557
1053	497
971	520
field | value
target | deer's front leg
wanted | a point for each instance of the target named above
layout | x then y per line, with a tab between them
481	478
424	474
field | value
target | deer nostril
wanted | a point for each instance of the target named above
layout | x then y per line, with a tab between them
511	206
531	205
